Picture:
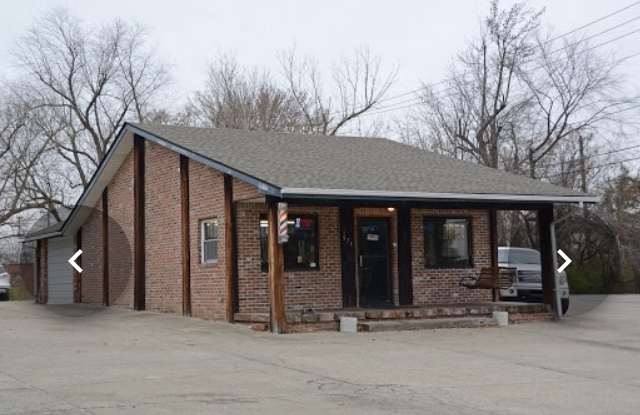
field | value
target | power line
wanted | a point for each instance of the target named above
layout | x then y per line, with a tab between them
595	166
589	156
410	102
591	23
597	20
399	105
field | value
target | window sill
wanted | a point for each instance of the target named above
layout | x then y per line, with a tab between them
468	267
301	269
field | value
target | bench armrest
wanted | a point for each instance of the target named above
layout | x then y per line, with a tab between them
472	279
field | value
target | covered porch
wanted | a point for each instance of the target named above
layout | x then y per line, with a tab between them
405	292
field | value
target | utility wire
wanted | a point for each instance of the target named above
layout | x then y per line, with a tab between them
591	23
594	167
411	103
399	105
589	156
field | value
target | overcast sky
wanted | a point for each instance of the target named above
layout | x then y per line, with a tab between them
418	36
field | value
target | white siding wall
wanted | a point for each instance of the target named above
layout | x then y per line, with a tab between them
60	272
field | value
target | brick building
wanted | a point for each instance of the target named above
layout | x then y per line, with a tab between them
186	220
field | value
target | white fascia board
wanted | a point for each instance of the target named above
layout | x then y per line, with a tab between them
385	194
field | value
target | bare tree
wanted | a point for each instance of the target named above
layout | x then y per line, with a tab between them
358	86
236	97
575	92
514	96
85	83
469	117
26	182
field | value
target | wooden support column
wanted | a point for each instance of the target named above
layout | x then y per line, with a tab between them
44	270
230	249
186	236
545	217
405	273
77	276
37	271
493	236
348	256
105	247
276	271
138	224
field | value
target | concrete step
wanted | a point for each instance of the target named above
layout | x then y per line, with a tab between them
434	323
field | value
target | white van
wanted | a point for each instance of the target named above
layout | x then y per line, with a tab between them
527	286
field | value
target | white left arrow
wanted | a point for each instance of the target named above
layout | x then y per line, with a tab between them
566	258
72	260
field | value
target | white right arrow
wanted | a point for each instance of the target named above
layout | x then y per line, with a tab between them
566	258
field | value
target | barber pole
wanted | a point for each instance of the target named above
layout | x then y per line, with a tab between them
283	234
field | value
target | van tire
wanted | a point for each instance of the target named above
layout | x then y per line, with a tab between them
565	305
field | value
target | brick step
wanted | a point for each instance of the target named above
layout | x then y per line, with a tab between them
251	317
435	323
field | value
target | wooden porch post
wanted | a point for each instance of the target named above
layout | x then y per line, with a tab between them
36	271
348	256
186	235
493	236
545	217
105	247
139	268
77	277
276	271
44	270
230	249
405	274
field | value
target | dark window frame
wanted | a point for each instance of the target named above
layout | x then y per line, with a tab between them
264	262
442	220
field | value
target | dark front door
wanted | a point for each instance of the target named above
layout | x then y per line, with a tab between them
374	262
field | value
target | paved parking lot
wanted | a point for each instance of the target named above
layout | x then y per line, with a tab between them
124	362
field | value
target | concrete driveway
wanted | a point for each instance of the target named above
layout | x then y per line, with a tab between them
125	362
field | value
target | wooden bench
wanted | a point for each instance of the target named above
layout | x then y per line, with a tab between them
490	278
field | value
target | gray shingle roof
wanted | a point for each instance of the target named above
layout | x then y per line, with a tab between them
287	160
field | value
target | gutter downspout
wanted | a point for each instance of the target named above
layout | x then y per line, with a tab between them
556	274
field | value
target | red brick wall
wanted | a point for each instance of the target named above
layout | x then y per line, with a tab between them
440	286
253	284
244	191
318	289
163	256
208	283
91	276
120	195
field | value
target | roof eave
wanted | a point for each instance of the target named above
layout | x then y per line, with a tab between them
43	236
310	193
263	187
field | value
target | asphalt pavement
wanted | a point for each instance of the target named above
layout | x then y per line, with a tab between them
125	362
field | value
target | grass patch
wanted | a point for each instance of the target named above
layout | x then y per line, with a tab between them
19	291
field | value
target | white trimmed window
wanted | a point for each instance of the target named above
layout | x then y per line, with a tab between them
209	241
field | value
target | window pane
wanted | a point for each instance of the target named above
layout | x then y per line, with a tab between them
446	242
301	251
210	250
211	230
